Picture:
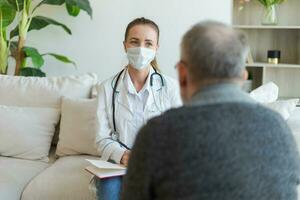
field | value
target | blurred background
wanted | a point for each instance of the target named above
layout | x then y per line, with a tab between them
96	45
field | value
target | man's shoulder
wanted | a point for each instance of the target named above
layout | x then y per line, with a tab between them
242	109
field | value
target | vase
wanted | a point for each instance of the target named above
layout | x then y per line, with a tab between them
269	16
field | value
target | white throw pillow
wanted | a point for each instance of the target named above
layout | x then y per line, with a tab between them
44	92
266	93
27	132
284	107
78	127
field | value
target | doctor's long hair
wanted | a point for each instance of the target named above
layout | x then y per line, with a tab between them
144	21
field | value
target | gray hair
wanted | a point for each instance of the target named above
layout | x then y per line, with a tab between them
214	51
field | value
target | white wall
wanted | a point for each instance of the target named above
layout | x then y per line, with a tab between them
96	45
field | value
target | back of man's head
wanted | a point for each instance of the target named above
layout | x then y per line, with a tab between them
214	51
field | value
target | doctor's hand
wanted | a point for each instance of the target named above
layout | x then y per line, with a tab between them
125	158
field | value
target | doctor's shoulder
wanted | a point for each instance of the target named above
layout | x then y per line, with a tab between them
104	87
172	90
171	83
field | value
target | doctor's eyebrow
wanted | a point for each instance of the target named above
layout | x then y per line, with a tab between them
137	39
149	40
134	39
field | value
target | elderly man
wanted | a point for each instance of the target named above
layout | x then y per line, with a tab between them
221	145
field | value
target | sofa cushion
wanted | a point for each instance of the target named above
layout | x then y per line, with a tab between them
44	92
26	132
15	175
267	93
78	127
284	107
65	179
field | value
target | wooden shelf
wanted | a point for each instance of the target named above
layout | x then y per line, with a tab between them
251	14
266	27
280	65
287	98
285	36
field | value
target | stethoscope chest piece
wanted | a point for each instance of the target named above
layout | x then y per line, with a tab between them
115	135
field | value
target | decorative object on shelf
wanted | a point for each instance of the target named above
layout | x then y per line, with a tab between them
273	56
270	7
261	38
269	16
242	4
250	58
24	13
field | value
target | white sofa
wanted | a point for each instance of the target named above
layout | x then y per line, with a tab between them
60	178
56	178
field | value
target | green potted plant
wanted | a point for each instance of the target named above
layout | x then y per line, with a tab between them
13	44
269	16
270	11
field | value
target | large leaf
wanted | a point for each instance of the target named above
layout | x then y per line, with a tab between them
82	4
73	10
7	13
53	2
36	57
40	22
28	71
18	5
50	2
61	58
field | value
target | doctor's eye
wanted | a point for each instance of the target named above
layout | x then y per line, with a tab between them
149	44
134	42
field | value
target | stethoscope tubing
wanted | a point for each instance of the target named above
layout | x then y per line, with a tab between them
114	105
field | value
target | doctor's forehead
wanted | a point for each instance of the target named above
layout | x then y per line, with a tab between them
142	32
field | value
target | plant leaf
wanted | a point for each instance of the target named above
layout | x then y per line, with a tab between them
40	22
53	2
82	4
7	13
268	3
49	2
28	71
73	10
61	58
36	57
18	5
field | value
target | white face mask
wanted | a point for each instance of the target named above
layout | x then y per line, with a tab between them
140	57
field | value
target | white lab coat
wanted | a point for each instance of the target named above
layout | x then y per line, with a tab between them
159	100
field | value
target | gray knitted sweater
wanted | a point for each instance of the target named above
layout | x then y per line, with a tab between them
222	146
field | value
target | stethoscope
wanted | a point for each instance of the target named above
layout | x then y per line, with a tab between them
115	135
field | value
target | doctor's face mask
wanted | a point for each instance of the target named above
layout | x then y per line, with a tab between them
140	57
141	43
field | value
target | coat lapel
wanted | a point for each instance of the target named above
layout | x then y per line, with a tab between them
122	93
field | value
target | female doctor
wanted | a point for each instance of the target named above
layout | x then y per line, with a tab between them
131	97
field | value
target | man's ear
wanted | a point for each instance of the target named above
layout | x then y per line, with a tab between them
182	75
245	75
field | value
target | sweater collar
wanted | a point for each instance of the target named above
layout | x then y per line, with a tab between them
220	93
